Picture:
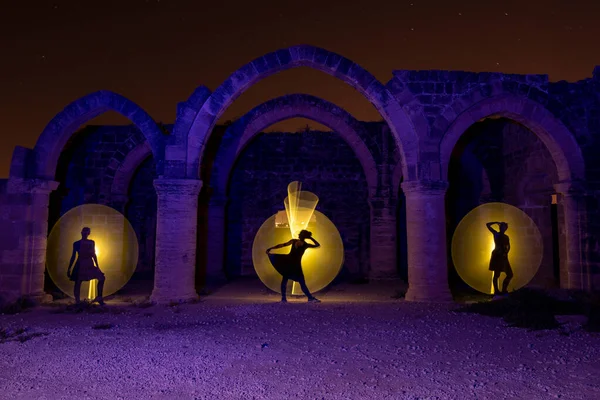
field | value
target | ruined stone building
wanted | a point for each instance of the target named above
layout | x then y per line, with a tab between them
197	192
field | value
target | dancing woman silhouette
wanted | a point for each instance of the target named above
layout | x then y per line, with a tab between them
499	260
290	265
86	268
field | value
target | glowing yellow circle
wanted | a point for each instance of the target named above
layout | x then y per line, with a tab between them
116	247
320	265
472	246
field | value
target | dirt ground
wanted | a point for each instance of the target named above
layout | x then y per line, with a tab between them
240	343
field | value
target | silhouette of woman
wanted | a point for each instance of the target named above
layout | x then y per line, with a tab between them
499	261
86	268
290	265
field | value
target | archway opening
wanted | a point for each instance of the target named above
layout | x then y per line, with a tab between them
499	160
140	210
202	235
86	169
325	164
286	63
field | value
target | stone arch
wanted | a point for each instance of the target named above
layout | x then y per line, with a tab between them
187	110
411	103
564	151
559	141
293	57
127	169
241	133
58	131
123	199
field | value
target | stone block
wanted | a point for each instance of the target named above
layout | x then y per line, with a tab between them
320	56
361	78
333	60
261	65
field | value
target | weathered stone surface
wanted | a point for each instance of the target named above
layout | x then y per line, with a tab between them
215	255
175	265
383	243
255	121
25	259
141	213
325	165
303	55
575	273
426	240
426	115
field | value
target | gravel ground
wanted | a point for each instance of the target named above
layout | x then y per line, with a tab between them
242	344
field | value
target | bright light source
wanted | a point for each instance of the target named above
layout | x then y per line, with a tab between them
320	265
116	247
473	243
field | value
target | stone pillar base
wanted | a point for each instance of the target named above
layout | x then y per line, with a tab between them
578	281
429	293
43	298
159	297
37	299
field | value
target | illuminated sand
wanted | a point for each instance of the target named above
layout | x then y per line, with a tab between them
254	347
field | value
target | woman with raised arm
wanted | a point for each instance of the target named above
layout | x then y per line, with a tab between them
499	261
290	265
86	268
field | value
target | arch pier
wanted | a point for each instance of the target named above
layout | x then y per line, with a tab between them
176	231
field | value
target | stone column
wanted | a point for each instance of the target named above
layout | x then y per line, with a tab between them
176	230
23	254
574	273
383	239
426	240
215	258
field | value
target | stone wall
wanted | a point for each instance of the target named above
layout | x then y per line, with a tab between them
9	241
86	171
141	213
436	90
15	222
504	161
581	111
325	165
531	174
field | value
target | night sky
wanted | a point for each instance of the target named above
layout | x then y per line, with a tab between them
155	52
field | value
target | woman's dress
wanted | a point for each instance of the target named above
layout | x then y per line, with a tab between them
290	265
499	260
84	269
